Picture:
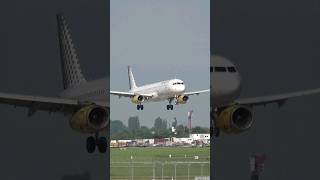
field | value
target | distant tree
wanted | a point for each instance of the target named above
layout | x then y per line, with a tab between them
116	126
143	133
200	130
174	123
122	135
133	123
182	131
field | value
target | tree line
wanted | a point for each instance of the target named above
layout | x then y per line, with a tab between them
160	129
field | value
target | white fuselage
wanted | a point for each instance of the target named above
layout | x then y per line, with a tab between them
163	90
92	91
225	81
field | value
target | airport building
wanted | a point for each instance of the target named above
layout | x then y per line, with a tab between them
193	140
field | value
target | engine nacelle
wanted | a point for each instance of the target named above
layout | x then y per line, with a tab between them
182	99
234	119
137	99
90	119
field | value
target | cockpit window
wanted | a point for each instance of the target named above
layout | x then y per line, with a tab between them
232	69
220	69
177	83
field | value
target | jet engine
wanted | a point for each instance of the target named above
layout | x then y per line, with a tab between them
182	99
137	99
90	119
234	119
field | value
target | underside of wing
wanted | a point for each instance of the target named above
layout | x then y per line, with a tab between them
280	99
196	92
34	103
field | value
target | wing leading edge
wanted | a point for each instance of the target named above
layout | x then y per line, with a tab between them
196	92
129	94
280	99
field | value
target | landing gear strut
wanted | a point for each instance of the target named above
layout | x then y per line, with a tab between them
139	106
93	142
170	106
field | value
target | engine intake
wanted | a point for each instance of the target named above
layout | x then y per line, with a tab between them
182	99
235	119
137	99
90	119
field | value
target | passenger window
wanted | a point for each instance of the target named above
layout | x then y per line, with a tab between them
232	69
220	69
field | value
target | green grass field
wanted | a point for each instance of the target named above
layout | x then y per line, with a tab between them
154	163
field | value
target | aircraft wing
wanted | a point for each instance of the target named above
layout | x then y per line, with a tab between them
196	92
129	94
280	99
34	103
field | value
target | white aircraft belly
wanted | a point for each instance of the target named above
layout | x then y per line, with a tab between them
160	95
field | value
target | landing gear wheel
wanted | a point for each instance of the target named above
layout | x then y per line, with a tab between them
139	107
102	144
91	144
169	107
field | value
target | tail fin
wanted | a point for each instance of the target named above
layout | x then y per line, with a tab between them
72	75
132	83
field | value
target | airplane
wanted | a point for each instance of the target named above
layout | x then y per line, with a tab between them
170	90
232	114
85	102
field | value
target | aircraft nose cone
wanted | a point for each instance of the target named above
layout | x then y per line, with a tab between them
225	89
183	87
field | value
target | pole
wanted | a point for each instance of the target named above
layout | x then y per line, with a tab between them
131	170
188	171
201	169
175	171
154	171
162	171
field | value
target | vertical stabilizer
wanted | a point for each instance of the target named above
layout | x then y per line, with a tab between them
72	75
132	83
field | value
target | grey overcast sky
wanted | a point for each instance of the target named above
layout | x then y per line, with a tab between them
276	46
44	146
160	40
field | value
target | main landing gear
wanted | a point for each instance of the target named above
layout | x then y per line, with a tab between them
139	107
169	107
100	142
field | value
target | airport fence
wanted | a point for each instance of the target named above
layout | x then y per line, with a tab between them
157	170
